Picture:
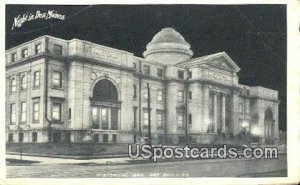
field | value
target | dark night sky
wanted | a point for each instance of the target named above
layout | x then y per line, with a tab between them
254	36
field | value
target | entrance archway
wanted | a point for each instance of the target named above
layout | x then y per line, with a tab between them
105	105
269	126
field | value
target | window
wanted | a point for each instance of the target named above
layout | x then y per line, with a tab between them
34	136
146	115
146	94
159	119
13	85
23	112
13	113
56	111
247	92
147	70
134	66
190	95
190	119
180	96
56	79
37	48
247	106
95	115
190	74
96	138
104	118
105	138
159	95
36	111
160	72
57	49
23	82
134	91
21	137
114	138
14	57
10	137
70	113
180	74
180	119
24	53
241	107
134	117
36	79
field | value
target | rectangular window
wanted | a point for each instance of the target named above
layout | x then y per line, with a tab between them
247	107
13	113
160	72
146	94
56	79
36	79
56	111
180	74
180	119
190	119
10	137
134	91
21	137
57	49
241	108
70	113
180	96
34	137
114	138
105	138
95	115
134	117
96	138
37	48
24	53
159	95
104	118
23	82
14	57
190	74
13	85
190	95
23	112
159	119
146	116
36	111
147	70
134	66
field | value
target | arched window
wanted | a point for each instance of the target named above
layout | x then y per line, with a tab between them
105	91
24	82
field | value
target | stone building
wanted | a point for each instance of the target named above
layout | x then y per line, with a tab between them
78	91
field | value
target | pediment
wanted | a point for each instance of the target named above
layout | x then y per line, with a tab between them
219	60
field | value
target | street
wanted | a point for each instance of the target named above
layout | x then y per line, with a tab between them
188	168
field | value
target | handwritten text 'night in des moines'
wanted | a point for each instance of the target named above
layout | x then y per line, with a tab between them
21	19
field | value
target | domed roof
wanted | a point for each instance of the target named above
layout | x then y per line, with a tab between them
168	35
168	42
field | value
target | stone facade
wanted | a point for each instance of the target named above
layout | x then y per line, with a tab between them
78	91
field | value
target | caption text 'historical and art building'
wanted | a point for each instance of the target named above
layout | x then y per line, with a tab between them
79	91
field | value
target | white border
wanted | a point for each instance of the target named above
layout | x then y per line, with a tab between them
293	101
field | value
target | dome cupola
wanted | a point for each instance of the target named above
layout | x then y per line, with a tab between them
168	47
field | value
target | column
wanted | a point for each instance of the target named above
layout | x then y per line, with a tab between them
234	127
215	112
205	108
223	112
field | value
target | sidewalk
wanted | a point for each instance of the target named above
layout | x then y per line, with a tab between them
50	160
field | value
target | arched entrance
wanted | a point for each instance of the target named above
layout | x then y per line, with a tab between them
105	106
269	126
